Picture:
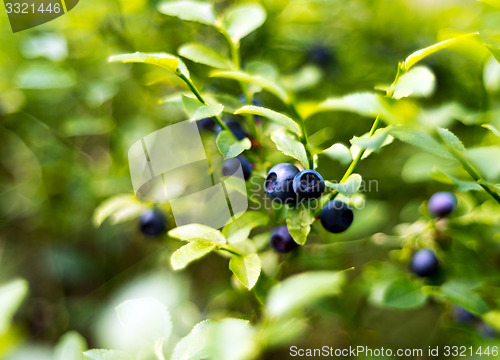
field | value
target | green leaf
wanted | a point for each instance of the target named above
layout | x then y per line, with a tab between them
485	160
492	318
493	129
240	229
163	60
422	53
289	145
443	176
241	20
190	104
451	139
193	232
231	339
206	111
419	81
365	104
228	339
462	294
201	54
197	11
190	252
372	143
491	75
339	152
11	297
271	115
70	347
231	147
420	139
101	354
494	48
348	187
257	80
306	78
119	208
145	322
194	345
403	293
298	222
304	289
246	269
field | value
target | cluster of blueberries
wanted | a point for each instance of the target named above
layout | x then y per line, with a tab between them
286	184
425	263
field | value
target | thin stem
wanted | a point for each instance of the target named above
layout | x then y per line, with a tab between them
196	93
234	48
303	139
355	162
235	57
474	173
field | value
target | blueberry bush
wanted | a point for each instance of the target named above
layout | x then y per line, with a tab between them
368	136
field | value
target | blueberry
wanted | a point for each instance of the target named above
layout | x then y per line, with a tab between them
281	240
336	216
487	331
308	184
231	165
206	124
279	183
424	263
152	222
235	128
462	316
442	203
320	55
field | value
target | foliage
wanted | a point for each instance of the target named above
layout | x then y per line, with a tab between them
71	105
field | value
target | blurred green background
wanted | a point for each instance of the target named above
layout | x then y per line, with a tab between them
68	118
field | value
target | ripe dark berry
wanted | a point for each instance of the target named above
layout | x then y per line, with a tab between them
462	316
487	331
206	124
231	166
152	222
281	240
424	263
279	183
336	216
442	203
321	56
308	184
235	128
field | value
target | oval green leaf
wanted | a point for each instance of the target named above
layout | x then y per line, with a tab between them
289	145
246	269
231	147
271	115
203	55
190	252
187	10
